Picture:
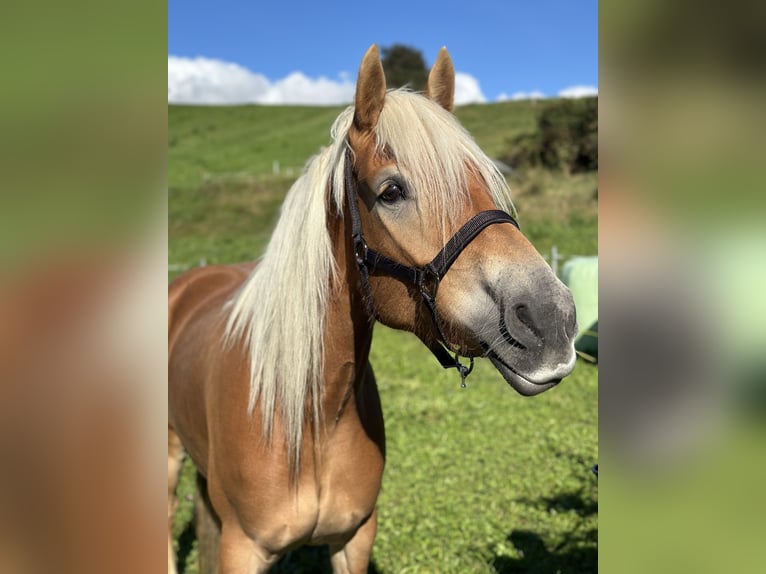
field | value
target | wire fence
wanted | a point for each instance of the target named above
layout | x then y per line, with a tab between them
556	258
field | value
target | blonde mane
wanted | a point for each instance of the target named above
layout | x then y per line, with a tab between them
279	311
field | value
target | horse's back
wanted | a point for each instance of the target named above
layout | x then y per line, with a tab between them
196	320
199	289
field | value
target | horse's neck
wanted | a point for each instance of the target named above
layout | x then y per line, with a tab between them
348	330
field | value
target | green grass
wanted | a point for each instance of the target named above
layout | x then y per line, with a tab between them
558	209
477	479
481	476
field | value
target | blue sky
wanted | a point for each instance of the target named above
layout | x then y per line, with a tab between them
506	46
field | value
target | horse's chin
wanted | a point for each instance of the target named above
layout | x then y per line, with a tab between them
519	382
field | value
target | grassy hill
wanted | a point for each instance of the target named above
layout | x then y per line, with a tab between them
206	140
224	195
477	479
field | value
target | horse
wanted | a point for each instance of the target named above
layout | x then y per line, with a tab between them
402	219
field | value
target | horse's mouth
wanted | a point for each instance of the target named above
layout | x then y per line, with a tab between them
516	380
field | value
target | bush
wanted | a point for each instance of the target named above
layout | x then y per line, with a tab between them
566	138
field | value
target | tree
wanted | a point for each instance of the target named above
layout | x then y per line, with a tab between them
566	138
404	66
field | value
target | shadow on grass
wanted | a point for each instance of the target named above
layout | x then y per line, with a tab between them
570	502
577	553
305	560
186	543
310	560
569	557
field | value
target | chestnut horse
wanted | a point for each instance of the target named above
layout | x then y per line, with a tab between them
270	389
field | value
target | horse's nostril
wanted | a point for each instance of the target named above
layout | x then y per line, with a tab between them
524	315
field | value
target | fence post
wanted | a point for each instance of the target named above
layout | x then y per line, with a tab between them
275	167
555	260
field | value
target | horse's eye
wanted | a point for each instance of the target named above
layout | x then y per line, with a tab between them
392	193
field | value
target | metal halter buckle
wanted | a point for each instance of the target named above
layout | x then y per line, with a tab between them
360	250
429	283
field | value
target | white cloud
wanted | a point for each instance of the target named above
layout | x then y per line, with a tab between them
578	92
533	95
571	92
206	81
209	81
298	88
467	90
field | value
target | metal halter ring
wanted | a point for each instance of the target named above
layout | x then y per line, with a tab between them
464	371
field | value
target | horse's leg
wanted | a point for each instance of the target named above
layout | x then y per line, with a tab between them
208	529
239	554
354	557
175	458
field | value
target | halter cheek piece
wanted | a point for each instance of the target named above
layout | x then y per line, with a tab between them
425	278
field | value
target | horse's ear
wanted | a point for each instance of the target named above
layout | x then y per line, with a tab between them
441	81
370	91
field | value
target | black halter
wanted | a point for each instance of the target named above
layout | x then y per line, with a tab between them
425	278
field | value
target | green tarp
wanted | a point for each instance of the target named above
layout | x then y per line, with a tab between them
580	274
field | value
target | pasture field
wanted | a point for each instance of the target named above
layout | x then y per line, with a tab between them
477	479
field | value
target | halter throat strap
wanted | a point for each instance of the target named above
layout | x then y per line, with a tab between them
426	278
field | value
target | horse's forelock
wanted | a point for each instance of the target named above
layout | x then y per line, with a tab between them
437	155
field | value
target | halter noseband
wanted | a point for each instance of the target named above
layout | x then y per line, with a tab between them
425	278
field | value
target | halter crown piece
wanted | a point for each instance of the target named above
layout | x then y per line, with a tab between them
426	278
